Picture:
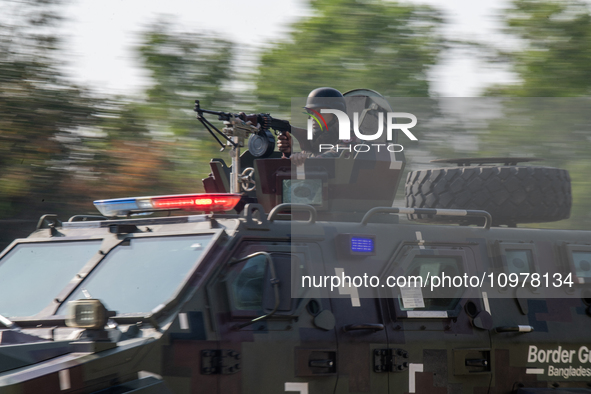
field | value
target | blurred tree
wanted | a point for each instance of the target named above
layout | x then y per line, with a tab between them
185	66
118	158
153	145
38	106
555	57
554	60
41	113
348	44
61	147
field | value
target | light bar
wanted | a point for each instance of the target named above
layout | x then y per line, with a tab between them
205	202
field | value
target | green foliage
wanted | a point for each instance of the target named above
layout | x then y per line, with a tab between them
554	61
39	108
556	36
349	44
61	148
183	67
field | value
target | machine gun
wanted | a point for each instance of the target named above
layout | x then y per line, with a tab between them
239	127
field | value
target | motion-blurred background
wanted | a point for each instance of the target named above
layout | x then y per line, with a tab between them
96	97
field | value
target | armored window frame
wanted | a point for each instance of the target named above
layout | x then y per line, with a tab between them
428	251
47	311
265	292
183	284
570	249
501	261
312	173
279	249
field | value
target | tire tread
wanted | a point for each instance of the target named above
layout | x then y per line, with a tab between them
511	194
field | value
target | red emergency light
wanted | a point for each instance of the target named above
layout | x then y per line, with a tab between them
206	202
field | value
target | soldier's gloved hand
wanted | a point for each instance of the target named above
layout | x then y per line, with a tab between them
299	158
285	143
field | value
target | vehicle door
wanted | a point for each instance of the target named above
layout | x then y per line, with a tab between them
541	337
360	324
439	340
291	350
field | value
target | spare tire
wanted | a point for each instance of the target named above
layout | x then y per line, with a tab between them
511	194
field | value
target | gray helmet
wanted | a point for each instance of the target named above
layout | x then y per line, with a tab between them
326	98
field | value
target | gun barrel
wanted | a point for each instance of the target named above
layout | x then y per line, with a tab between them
222	115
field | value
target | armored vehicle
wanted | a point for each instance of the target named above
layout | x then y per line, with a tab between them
235	290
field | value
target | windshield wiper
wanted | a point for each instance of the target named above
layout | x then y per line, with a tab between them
9	323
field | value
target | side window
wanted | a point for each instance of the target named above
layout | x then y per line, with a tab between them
579	262
249	284
247	287
582	265
515	258
442	298
519	261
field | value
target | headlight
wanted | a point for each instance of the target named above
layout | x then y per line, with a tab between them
90	314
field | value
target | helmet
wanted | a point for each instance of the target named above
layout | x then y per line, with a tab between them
326	98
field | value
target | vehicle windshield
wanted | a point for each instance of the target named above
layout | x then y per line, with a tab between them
142	273
33	274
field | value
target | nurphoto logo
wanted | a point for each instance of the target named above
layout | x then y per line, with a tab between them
344	125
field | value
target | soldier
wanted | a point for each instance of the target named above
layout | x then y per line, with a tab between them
318	99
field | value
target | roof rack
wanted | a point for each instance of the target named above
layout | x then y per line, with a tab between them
430	211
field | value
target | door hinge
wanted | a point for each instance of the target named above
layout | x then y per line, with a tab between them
219	362
390	360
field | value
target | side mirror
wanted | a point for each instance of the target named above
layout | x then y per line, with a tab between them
483	320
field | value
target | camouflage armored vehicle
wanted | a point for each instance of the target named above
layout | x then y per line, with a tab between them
234	291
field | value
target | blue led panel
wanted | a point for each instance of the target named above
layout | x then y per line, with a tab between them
363	245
